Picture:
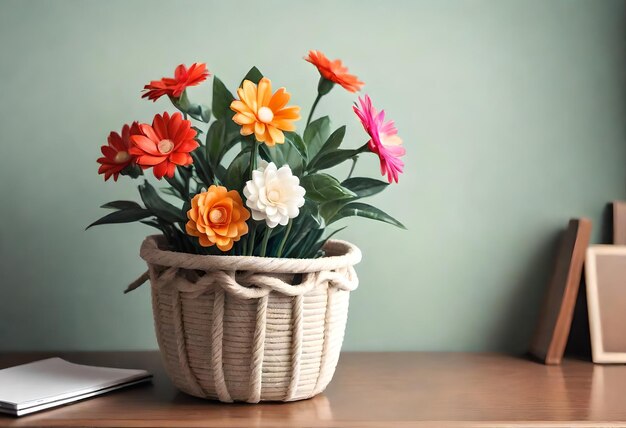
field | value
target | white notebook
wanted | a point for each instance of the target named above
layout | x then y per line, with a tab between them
53	382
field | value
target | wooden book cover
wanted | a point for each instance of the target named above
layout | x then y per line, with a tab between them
558	306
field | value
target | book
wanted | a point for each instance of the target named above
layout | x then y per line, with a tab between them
54	382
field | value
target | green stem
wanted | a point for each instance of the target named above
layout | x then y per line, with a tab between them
284	240
244	247
266	238
251	239
317	100
354	159
253	157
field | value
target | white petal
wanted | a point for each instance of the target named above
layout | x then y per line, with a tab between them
257	215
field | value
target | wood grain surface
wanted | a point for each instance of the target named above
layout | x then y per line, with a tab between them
369	390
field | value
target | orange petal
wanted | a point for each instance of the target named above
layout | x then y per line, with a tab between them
279	99
276	134
240	107
264	92
247	129
259	131
242	119
284	124
249	92
292	113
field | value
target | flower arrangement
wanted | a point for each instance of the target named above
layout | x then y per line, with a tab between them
248	183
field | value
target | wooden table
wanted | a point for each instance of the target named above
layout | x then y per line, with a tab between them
369	390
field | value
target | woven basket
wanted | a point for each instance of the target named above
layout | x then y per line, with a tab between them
252	329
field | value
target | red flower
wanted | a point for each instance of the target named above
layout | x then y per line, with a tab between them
174	87
116	153
334	71
165	144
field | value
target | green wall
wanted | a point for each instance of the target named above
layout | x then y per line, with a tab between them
512	113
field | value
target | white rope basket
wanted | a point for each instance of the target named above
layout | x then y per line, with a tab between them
240	328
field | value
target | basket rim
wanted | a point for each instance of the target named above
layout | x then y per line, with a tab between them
343	254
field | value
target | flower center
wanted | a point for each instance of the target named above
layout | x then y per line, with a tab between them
265	114
121	157
216	215
273	196
165	146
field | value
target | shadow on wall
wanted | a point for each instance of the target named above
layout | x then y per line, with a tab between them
579	340
518	324
516	329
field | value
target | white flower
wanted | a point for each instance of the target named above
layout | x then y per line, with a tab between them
274	195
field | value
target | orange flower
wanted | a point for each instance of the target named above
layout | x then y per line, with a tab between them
217	217
174	87
116	153
165	144
334	71
263	114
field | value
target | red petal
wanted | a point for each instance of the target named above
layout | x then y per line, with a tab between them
115	141
160	170
187	146
108	152
145	144
150	160
160	127
179	158
171	170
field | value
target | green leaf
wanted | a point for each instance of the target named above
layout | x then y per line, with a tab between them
202	167
332	143
159	207
297	143
332	159
360	209
317	247
214	140
170	191
316	134
122	216
197	111
282	154
254	75
329	209
364	186
323	188
121	205
177	185
238	170
221	100
152	223
200	112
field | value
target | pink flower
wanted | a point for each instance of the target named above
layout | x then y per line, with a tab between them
384	140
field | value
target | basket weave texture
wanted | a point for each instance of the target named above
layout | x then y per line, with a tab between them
240	328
